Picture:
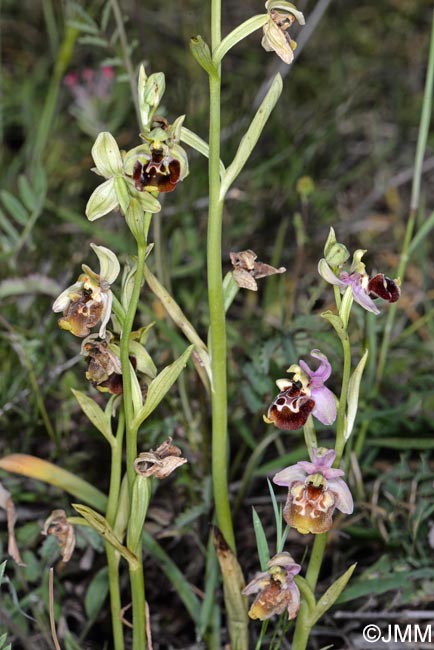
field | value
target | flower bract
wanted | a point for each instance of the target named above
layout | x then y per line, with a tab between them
315	490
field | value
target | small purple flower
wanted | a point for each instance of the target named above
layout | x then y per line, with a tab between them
363	288
315	490
304	393
276	589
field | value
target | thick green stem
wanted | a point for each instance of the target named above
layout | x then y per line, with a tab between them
216	306
112	554
414	203
139	607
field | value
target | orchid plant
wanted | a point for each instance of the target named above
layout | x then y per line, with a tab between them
120	367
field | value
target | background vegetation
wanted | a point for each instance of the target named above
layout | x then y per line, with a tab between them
348	120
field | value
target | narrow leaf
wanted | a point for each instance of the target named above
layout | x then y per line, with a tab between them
331	595
95	414
14	207
161	385
96	594
238	34
353	394
42	470
261	541
251	137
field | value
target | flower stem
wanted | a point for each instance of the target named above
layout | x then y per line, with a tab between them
414	203
216	302
136	571
112	555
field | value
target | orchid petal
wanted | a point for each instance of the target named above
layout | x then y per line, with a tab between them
107	299
294	603
325	409
289	475
344	501
361	296
102	201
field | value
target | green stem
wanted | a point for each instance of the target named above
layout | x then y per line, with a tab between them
216	303
112	555
414	203
136	572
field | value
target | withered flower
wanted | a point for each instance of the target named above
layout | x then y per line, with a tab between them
89	300
282	15
58	525
104	369
277	589
315	490
161	462
247	270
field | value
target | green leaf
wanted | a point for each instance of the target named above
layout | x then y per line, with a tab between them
329	598
103	528
337	323
96	594
238	34
261	541
95	414
27	193
143	359
196	142
251	137
159	386
141	496
353	394
230	290
14	207
403	443
42	470
346	304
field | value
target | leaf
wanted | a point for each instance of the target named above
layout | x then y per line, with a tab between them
27	193
238	34
196	142
346	304
95	414
96	594
159	386
337	323
15	207
42	470
353	394
251	137
143	359
331	595
261	541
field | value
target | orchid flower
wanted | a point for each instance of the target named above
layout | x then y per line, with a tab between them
89	300
277	589
364	288
315	490
302	394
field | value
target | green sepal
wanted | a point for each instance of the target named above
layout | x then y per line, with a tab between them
238	34
123	196
141	496
251	137
100	419
335	253
331	595
106	154
353	394
161	385
102	200
201	52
